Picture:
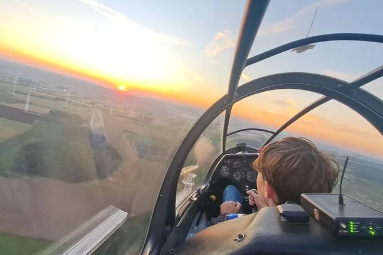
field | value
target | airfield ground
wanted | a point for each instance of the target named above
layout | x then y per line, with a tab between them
42	209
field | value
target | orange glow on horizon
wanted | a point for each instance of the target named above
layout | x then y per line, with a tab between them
318	130
312	127
172	92
38	61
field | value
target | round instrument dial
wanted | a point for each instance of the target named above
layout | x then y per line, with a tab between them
224	171
237	164
251	176
238	175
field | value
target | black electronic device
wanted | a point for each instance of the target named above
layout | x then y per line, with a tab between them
354	218
343	214
292	213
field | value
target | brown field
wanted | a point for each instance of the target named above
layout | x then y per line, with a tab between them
10	128
15	114
48	209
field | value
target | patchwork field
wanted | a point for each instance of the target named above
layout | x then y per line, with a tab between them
21	246
10	128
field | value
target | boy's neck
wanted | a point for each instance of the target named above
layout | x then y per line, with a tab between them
272	201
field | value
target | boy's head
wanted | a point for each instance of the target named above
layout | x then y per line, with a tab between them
292	166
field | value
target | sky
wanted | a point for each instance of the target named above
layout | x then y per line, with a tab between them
184	50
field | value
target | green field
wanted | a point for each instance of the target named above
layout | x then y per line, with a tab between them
15	245
8	157
19	127
8	99
29	134
150	148
58	146
8	87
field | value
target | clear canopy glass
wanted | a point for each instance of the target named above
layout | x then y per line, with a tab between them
96	97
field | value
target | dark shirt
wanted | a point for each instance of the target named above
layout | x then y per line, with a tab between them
219	219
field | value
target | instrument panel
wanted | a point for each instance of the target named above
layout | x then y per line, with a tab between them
237	168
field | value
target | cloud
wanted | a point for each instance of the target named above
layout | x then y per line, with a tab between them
246	78
285	103
312	119
223	40
215	62
281	102
315	120
291	102
295	20
343	128
339	75
128	24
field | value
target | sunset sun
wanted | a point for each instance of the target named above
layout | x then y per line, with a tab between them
121	87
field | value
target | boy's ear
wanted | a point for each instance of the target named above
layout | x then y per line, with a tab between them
269	191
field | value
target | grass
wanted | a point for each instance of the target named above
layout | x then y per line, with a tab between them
150	148
15	125
44	129
15	245
57	146
9	99
48	130
7	158
7	86
153	130
39	131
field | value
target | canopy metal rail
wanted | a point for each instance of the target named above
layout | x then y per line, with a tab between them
375	74
251	129
160	235
363	80
252	19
